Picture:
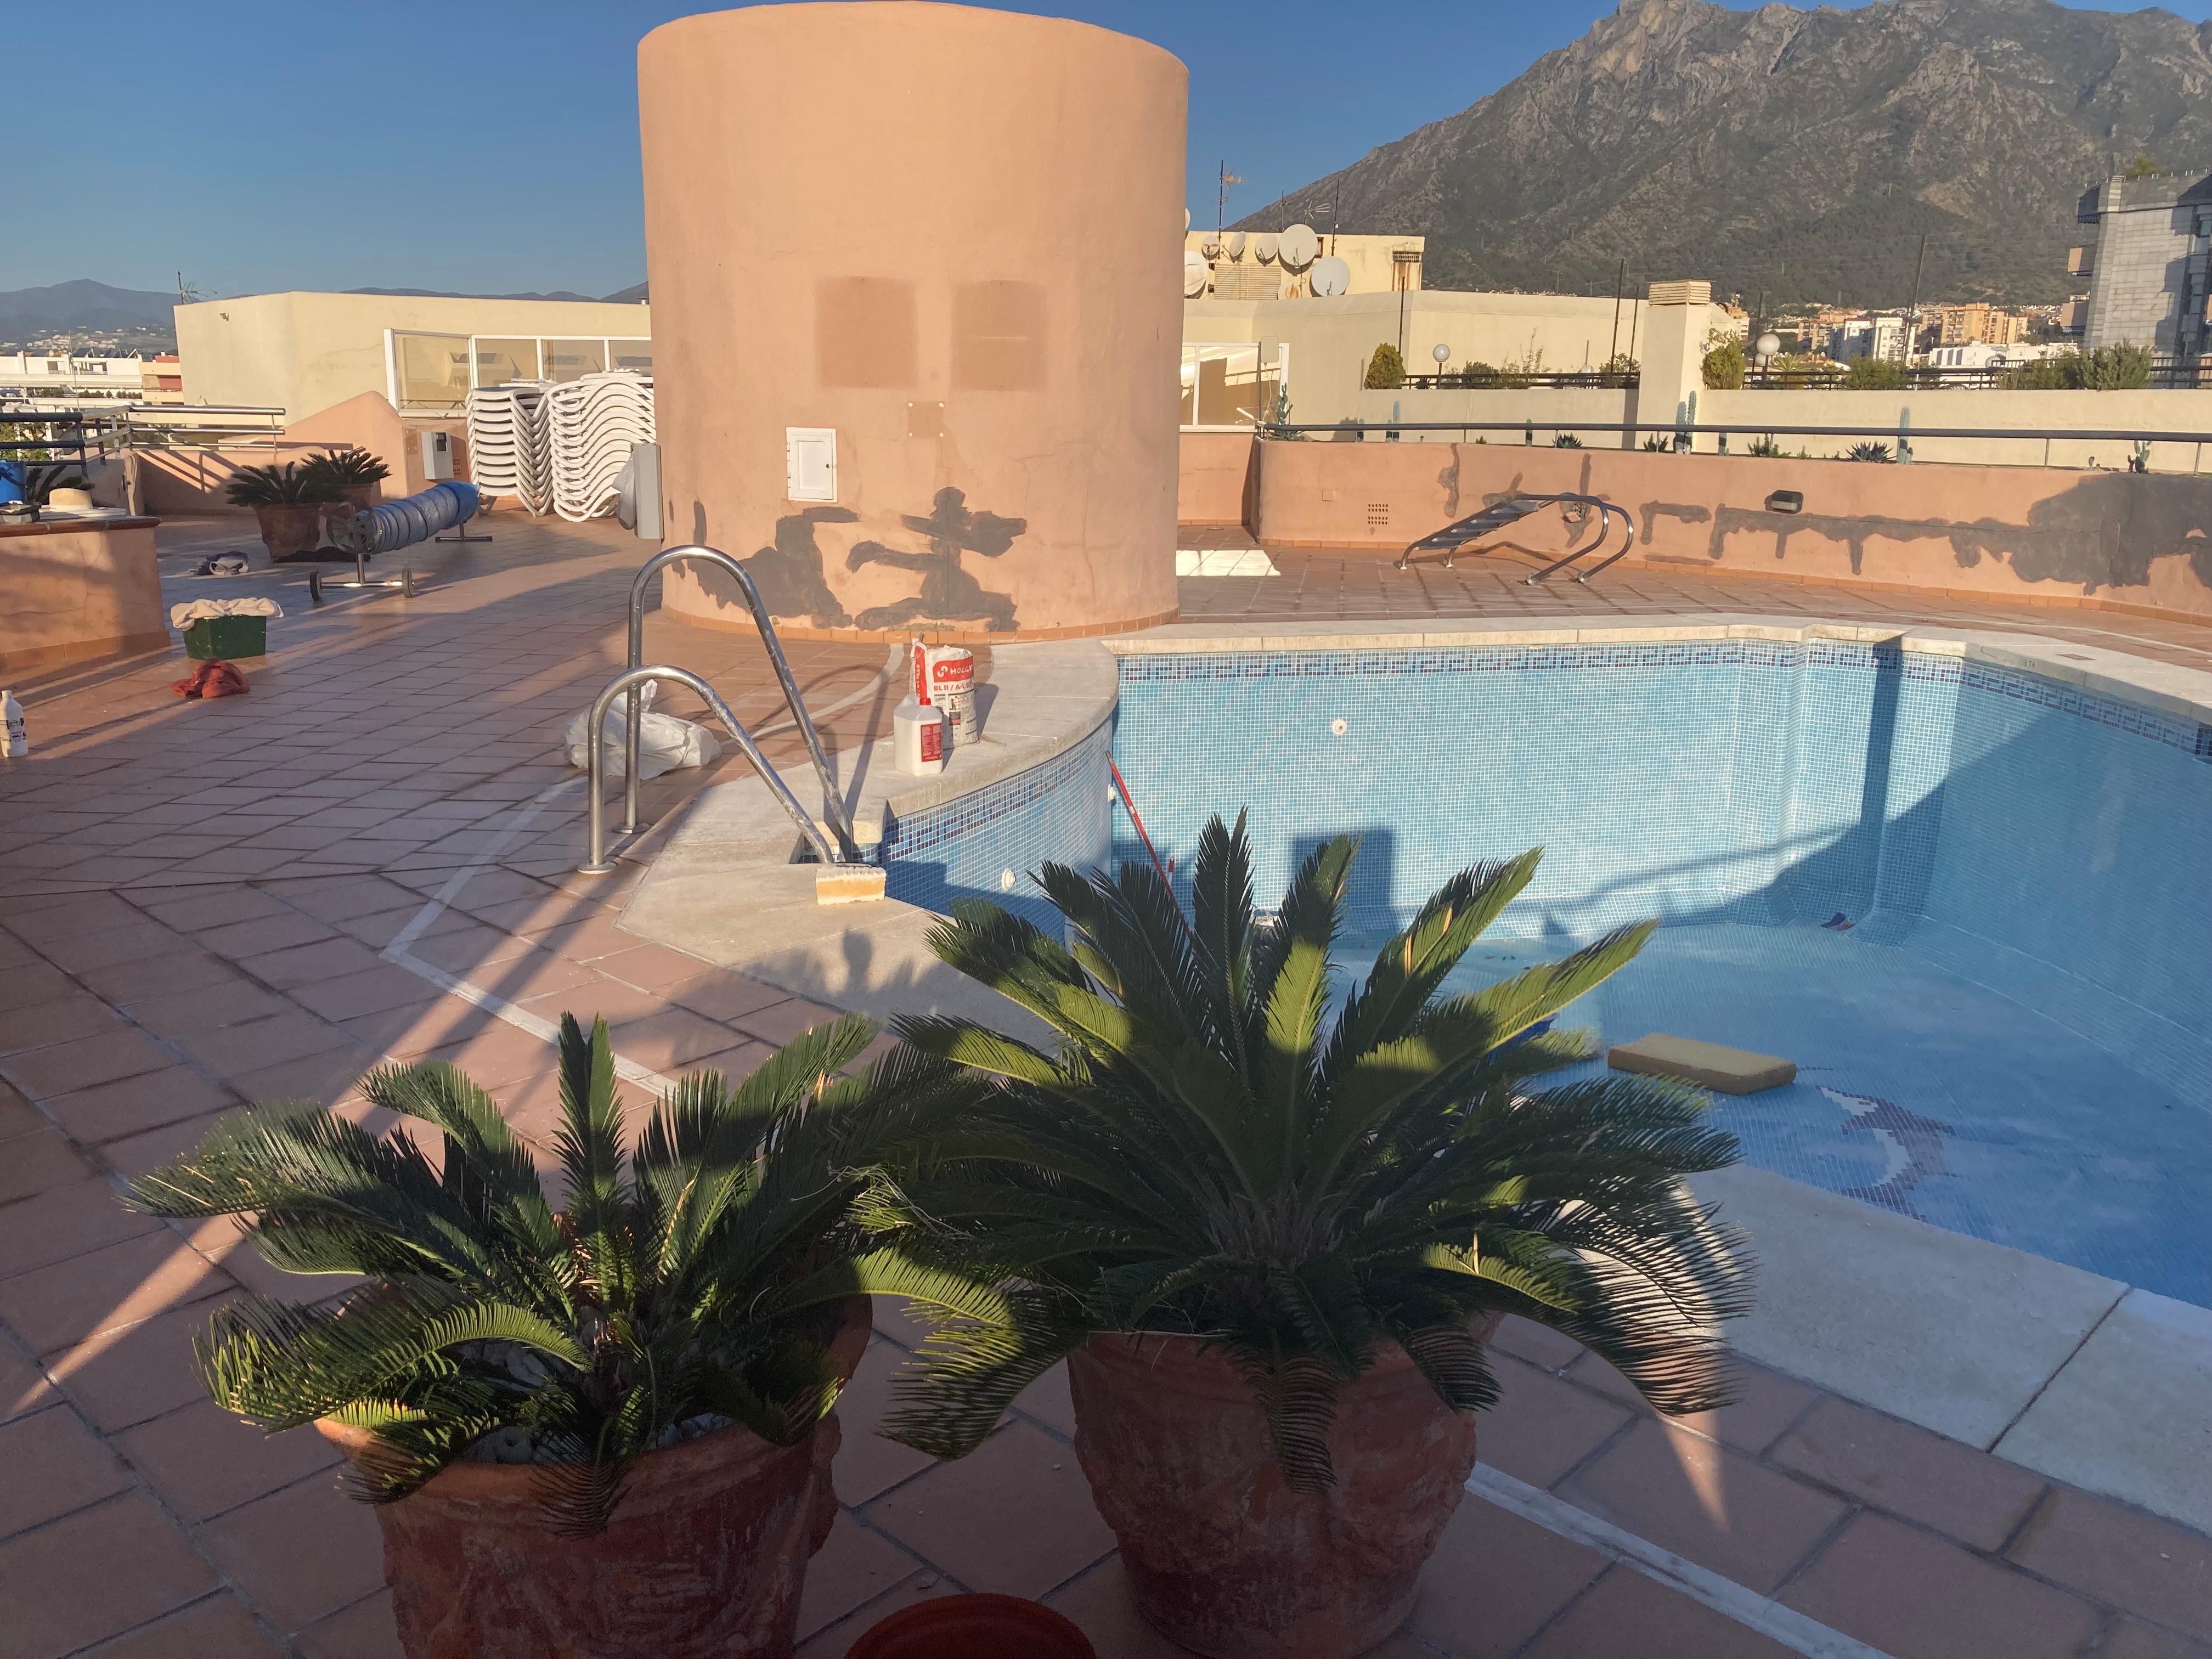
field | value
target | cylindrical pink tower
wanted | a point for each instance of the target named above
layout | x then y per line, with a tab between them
916	316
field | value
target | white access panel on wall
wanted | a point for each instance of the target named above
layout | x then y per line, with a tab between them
810	463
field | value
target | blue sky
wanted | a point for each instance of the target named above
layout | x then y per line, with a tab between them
491	145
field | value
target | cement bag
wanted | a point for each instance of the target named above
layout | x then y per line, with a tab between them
665	743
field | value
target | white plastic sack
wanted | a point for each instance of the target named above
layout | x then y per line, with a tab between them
665	743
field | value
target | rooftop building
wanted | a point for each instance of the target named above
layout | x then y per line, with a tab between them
2146	267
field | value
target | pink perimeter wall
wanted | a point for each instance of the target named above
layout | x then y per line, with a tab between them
2139	540
78	589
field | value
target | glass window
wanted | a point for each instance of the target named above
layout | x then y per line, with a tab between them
1190	385
499	361
433	370
634	354
572	360
1222	384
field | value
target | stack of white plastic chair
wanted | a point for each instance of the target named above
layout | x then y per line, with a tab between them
591	425
508	452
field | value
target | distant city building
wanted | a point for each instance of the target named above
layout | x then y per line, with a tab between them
1986	324
45	376
1882	334
2146	266
1245	265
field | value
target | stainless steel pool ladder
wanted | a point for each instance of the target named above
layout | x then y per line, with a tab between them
1499	515
635	675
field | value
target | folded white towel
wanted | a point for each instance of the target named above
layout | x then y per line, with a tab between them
183	616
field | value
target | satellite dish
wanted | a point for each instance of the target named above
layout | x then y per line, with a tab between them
1211	247
1195	274
1331	277
1264	245
1298	246
1236	243
1186	218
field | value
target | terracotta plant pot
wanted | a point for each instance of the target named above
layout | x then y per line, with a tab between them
706	1555
973	1627
291	529
1222	1556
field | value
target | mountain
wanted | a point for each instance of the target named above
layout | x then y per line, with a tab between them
1802	153
80	305
448	294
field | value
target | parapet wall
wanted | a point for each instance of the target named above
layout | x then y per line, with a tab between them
2139	540
75	589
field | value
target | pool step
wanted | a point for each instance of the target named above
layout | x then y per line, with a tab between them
1710	1066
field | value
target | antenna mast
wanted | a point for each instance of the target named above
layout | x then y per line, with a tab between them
1221	199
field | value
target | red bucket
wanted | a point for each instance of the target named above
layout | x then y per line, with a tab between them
973	1627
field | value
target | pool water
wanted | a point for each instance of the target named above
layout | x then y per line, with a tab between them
1973	904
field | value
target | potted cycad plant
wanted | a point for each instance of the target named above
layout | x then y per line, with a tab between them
289	499
600	1424
1271	1243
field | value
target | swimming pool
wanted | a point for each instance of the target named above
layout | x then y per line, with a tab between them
1972	903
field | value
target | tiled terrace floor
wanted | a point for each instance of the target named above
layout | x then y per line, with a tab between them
192	902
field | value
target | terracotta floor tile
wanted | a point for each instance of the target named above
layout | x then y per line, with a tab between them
1540	1346
363	1631
1100	1604
203	1008
379	929
1701	1501
39	1162
80	953
301	1553
1915	1596
1048	1400
501	1053
328	1077
32	983
468	947
1956	1489
139	981
1014	1515
735	1064
867	1464
1494	1580
1626	1616
68	1067
605	999
64	1222
278	930
670	1041
407	1032
82	1595
217	1627
218	907
855	1566
339	899
532	975
23	1386
780	1022
55	1464
720	994
2129	1640
2155	1570
1542	1426
136	1104
233	1050
60	1306
651	967
377	991
128	1376
1766	1404
202	1461
17	1115
44	1023
303	964
132	1155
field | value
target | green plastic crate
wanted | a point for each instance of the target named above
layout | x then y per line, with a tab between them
227	637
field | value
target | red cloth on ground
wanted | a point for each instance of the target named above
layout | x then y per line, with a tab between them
216	678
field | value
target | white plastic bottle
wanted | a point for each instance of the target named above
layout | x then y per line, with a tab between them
917	739
18	743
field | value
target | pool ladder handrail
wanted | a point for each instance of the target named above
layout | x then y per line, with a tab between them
834	810
627	683
1499	515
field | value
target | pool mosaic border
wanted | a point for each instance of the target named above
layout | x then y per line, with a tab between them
2192	737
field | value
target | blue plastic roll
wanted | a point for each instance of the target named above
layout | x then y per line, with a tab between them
418	518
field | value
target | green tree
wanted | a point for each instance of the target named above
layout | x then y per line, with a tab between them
2142	167
1874	374
1386	369
1724	365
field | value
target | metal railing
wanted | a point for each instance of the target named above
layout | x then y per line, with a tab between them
1678	435
627	683
1514	380
833	804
